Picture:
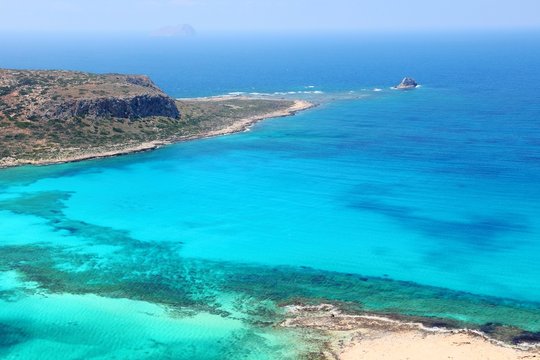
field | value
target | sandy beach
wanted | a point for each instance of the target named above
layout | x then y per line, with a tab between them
416	344
75	154
369	337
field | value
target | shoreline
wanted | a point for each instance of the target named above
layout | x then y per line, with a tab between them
372	336
130	148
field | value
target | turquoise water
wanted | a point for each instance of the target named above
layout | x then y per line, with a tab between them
421	203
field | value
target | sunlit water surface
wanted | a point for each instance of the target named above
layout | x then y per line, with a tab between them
423	202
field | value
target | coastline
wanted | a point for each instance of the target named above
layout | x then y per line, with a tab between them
134	147
369	336
245	123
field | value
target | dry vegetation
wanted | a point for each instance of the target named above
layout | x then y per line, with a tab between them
36	127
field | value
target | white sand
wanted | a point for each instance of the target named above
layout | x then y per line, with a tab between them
366	337
415	344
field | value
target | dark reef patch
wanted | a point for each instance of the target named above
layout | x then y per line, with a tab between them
158	274
11	336
527	337
480	232
46	204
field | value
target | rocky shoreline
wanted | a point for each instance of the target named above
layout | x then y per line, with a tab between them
368	336
243	124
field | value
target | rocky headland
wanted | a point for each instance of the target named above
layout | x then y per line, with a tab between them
59	116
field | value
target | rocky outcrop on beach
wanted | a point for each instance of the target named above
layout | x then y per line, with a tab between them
407	83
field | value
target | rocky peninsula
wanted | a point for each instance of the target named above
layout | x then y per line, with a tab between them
60	116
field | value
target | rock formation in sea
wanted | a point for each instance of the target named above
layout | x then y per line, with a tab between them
407	83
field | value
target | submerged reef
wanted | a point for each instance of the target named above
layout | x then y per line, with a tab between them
111	263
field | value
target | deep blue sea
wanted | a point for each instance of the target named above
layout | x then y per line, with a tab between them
423	202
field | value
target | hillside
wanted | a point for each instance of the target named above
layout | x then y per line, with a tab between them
56	116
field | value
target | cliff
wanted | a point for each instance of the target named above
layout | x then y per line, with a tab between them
133	107
41	95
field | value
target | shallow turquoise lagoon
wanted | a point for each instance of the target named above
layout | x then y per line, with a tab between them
423	203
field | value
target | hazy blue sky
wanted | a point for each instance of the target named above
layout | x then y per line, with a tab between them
267	15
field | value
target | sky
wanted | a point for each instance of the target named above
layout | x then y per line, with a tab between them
206	16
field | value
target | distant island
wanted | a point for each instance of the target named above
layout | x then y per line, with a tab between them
59	116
